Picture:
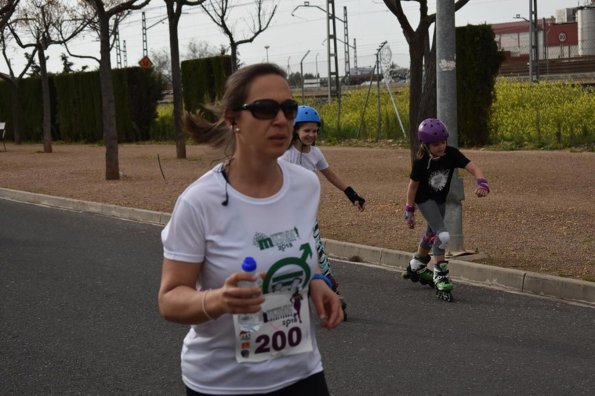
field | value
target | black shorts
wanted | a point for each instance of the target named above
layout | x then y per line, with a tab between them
314	385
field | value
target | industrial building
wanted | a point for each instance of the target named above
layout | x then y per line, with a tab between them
563	44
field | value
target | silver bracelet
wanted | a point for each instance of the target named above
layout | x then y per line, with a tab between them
204	309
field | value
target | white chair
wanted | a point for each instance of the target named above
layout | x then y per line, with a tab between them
3	131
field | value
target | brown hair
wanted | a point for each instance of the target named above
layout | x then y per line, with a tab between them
422	151
218	134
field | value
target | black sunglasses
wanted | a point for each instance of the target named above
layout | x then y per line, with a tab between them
267	109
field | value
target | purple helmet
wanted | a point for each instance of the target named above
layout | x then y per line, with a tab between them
432	130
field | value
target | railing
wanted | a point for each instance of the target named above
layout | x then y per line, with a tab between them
580	67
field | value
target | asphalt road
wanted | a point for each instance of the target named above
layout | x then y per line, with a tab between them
78	315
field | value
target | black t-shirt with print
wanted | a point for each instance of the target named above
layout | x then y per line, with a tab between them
434	176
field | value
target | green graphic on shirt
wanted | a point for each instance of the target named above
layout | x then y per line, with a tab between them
282	240
289	273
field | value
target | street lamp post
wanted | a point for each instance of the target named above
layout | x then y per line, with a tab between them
518	16
266	47
144	32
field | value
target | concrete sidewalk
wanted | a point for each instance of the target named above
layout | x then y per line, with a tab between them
464	271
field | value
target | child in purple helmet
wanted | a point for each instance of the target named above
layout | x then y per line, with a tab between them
302	151
429	184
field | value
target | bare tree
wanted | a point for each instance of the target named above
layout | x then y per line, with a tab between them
45	22
200	49
422	58
174	11
7	8
161	59
104	17
14	81
220	12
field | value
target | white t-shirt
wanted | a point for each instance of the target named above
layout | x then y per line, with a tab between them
273	230
313	160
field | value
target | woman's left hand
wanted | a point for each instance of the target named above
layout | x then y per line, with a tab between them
327	304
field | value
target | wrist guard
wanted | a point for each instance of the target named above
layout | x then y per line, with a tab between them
483	184
409	210
353	197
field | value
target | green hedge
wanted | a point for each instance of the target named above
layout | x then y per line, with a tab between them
204	80
478	62
31	110
76	106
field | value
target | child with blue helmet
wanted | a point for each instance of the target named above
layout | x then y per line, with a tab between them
302	151
429	184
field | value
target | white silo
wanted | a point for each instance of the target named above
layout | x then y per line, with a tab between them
586	30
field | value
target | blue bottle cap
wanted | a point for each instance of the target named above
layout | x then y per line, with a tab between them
249	264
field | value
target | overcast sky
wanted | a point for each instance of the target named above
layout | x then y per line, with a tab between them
289	37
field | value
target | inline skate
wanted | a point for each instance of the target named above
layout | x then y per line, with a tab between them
422	274
442	282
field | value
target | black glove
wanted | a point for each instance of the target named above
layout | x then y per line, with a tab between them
353	197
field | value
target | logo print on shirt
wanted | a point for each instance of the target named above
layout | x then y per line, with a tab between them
282	240
290	273
438	179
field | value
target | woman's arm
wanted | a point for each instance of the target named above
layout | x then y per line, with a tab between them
180	302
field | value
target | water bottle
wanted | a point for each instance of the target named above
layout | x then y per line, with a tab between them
250	321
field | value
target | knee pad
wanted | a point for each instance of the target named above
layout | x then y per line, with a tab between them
429	238
444	237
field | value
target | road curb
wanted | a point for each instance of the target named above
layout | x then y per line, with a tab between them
133	214
465	271
476	273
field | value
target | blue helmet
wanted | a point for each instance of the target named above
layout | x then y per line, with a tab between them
307	114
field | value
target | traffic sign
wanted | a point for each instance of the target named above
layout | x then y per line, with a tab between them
145	62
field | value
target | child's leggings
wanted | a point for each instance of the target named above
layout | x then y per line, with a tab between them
433	212
325	266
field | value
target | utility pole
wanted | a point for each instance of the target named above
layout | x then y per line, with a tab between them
446	98
346	46
118	53
534	40
144	34
125	52
355	56
334	83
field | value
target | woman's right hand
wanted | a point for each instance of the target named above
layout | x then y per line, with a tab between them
234	299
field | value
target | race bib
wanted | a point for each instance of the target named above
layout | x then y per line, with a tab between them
285	329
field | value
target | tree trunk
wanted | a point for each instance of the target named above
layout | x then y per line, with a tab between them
176	80
234	55
110	134
46	102
416	56
16	110
428	106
